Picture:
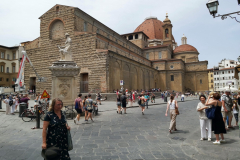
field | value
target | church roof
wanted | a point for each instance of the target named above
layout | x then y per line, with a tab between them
152	27
185	48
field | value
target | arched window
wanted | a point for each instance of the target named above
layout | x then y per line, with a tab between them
57	29
166	33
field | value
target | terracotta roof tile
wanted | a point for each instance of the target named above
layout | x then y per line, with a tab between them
152	28
185	48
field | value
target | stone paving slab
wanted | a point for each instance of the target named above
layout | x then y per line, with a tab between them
126	136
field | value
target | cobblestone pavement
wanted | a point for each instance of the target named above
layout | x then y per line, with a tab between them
126	136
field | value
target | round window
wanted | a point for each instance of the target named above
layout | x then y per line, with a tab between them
171	66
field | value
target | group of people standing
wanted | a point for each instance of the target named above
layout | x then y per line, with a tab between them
125	98
12	102
224	107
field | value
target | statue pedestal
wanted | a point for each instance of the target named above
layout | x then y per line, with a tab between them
64	81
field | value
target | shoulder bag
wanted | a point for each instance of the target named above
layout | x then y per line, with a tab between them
69	137
176	109
210	112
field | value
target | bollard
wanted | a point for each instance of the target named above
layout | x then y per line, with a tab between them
37	117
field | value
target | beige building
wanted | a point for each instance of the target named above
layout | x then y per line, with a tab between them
147	58
9	65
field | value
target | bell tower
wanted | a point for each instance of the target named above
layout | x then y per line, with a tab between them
167	31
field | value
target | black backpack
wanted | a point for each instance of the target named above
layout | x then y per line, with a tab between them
10	103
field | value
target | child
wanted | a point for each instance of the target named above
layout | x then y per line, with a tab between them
235	111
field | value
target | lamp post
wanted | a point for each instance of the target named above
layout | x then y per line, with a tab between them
212	6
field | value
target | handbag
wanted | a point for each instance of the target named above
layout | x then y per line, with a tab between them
177	111
69	138
210	112
70	144
52	152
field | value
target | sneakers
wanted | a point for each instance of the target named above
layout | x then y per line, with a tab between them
204	139
222	140
209	139
216	142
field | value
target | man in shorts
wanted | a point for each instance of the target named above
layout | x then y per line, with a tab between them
227	108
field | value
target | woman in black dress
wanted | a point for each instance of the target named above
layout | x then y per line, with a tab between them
55	129
217	123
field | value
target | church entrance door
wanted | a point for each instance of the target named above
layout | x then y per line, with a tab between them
84	83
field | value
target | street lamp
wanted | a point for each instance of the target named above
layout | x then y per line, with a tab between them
212	6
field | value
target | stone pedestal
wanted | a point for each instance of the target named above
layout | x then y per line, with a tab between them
64	81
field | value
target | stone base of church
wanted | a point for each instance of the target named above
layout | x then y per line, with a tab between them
64	81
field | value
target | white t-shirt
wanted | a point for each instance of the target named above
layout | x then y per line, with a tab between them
234	110
172	104
182	95
7	102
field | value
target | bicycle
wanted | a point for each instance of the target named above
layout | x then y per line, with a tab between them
29	114
69	113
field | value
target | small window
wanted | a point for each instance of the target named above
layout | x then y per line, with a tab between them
136	36
160	55
211	86
7	69
217	73
171	66
232	83
13	69
215	79
211	75
7	79
98	30
211	81
232	71
1	79
2	55
2	69
8	56
156	67
200	81
228	71
227	64
222	72
130	37
214	73
223	78
57	9
14	55
147	55
172	77
85	27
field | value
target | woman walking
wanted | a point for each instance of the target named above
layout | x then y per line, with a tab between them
142	101
124	102
204	121
78	108
55	130
235	112
218	125
119	104
172	104
85	108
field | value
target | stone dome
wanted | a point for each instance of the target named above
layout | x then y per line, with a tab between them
152	27
185	48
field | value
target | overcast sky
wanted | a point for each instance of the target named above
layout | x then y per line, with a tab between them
215	39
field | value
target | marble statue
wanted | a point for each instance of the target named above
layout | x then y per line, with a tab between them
65	51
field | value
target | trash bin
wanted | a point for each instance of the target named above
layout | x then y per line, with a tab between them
22	107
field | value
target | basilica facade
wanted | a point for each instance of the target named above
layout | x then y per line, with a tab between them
147	58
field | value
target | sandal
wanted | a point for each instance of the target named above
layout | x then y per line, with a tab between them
175	130
170	131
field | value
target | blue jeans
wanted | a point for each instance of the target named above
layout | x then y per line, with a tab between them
182	99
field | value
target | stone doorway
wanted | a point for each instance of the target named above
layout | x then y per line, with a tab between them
32	85
84	83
